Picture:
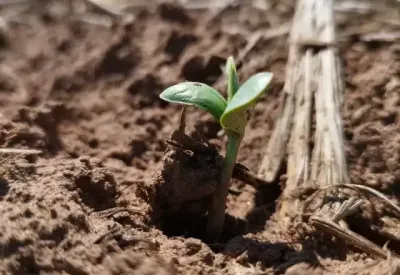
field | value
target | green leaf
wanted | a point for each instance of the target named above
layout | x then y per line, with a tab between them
232	77
198	94
236	114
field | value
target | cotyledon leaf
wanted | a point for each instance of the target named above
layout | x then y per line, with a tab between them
235	115
198	94
232	77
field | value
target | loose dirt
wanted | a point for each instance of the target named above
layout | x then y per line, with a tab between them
87	96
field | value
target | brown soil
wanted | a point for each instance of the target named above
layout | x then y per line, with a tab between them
87	96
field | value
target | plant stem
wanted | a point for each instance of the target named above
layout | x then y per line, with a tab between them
216	215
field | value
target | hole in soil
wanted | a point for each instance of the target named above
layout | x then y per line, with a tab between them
145	91
348	134
265	199
122	156
4	41
191	226
67	83
362	227
57	234
119	59
374	45
13	245
7	85
4	187
138	148
394	189
389	119
203	70
94	143
64	46
177	43
174	13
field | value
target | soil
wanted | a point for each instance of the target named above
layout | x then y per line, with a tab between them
87	96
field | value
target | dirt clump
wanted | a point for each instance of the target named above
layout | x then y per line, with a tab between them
184	187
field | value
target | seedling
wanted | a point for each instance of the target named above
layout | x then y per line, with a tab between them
233	114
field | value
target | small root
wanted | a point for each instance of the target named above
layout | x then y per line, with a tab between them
124	239
104	238
116	210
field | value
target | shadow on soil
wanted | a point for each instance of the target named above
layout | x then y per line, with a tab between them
273	255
